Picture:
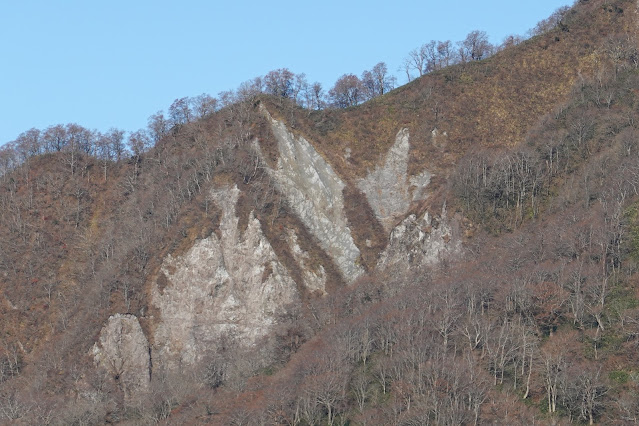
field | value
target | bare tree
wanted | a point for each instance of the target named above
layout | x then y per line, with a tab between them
115	138
247	91
300	86
180	111
139	142
157	126
377	81
348	91
509	41
551	22
583	392
312	96
445	54
29	143
361	388
623	52
55	138
104	152
203	105
80	139
280	83
12	407
475	47
318	95
417	60
76	138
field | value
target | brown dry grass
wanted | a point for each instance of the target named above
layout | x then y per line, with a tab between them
488	103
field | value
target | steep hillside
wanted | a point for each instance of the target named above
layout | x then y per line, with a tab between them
489	103
536	324
461	250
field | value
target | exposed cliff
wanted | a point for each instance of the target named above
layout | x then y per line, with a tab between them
388	187
422	241
315	193
230	283
122	353
463	230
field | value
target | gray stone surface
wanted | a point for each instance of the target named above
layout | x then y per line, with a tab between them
314	192
387	187
422	241
314	280
232	285
122	351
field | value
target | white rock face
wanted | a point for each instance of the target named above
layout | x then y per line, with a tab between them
313	280
387	188
234	284
123	351
419	183
438	139
314	192
421	241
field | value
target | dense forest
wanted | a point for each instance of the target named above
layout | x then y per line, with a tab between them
462	249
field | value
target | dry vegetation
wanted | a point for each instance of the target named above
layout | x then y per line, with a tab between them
490	103
539	321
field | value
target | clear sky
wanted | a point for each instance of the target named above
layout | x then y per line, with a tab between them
113	63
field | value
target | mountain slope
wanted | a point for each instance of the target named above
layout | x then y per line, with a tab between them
459	250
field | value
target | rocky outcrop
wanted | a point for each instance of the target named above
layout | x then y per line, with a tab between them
422	241
122	351
388	188
231	285
314	278
314	192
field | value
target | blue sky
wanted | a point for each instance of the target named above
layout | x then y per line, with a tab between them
114	63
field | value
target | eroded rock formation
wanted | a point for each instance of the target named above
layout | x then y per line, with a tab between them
233	284
421	241
314	192
388	188
122	351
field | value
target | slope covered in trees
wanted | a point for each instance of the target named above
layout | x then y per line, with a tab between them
534	160
544	314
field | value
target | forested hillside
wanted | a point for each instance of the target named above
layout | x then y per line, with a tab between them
462	249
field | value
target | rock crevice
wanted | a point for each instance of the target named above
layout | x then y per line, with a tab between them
314	192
